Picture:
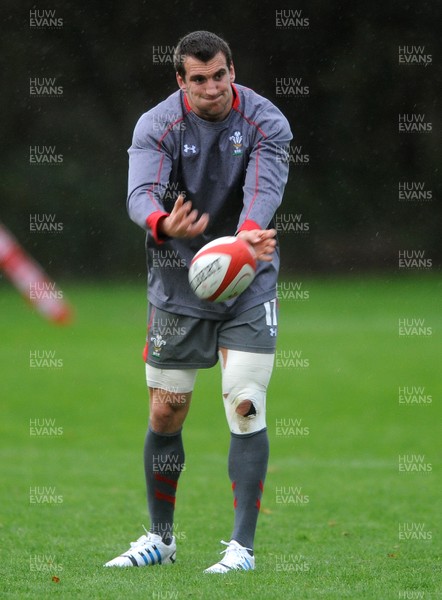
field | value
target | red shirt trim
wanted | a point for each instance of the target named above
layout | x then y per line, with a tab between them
248	225
152	222
236	99
186	103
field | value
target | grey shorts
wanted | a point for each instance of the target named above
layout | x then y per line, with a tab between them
181	342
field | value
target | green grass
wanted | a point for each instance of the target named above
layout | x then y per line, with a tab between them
342	543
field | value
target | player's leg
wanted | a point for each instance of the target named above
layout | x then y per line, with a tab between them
170	392
178	346
245	378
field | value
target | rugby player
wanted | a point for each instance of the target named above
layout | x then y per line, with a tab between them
205	163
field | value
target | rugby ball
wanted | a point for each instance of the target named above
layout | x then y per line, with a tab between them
222	269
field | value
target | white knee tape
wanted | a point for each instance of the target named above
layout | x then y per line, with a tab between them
180	381
245	376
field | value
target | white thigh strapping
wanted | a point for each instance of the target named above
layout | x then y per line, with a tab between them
180	381
245	376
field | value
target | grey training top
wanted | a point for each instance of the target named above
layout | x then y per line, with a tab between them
235	170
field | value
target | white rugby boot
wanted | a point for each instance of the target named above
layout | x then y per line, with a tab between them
147	551
236	558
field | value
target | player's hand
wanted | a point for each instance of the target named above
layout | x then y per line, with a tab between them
262	242
183	222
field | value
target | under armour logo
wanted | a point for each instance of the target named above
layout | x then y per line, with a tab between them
188	148
272	331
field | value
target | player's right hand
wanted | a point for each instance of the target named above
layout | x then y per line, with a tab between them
183	222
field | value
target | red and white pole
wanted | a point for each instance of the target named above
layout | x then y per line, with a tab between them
31	281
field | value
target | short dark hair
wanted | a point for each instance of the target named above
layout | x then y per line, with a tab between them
202	45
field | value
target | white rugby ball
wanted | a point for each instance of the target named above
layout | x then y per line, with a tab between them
222	269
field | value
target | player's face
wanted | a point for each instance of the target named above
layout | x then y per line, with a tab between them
208	86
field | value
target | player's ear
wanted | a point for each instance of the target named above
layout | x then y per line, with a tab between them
180	81
232	73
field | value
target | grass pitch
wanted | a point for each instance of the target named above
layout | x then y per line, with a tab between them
351	400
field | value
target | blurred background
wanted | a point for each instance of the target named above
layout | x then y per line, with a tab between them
336	70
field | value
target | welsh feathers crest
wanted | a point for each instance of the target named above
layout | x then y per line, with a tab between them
158	343
236	138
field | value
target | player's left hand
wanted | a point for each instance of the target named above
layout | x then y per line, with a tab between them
262	242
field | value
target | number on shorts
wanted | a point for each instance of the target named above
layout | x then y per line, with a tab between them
271	314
